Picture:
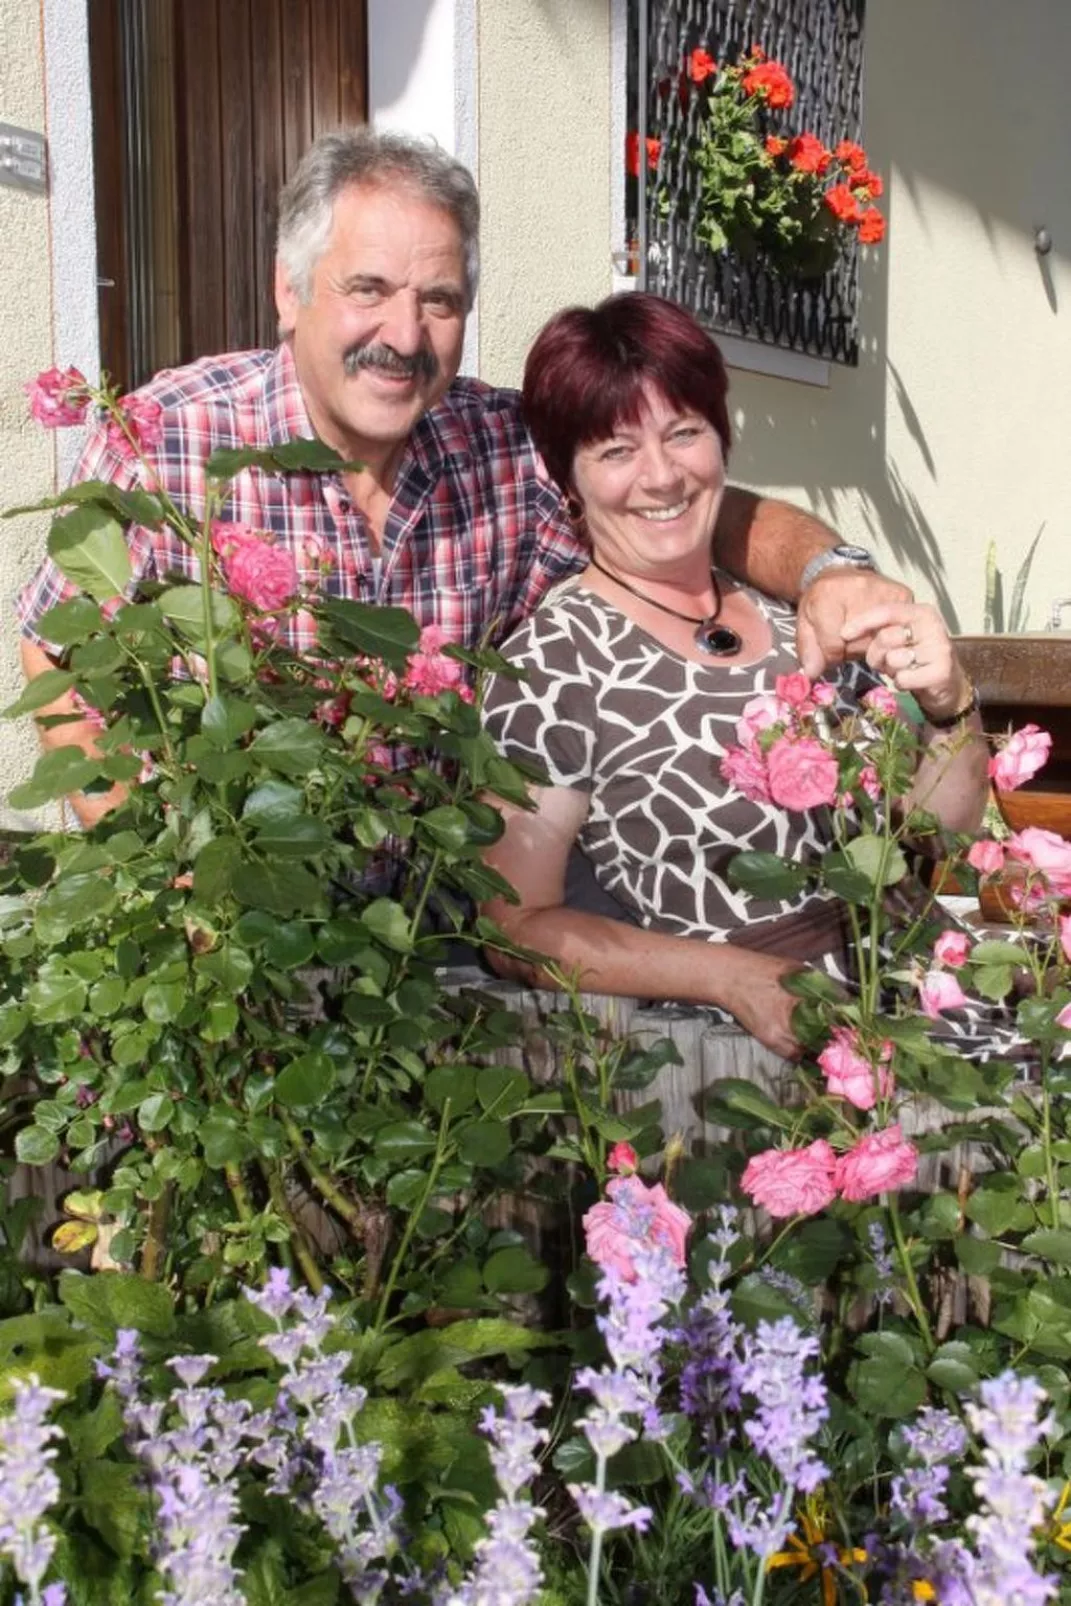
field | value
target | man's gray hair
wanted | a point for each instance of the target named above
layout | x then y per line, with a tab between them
361	156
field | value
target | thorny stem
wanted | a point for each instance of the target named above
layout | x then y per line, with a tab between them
239	1193
153	1252
913	1294
414	1216
350	1213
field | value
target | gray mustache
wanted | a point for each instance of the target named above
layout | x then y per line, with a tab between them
421	365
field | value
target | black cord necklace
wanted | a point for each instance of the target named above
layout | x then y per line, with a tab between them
720	641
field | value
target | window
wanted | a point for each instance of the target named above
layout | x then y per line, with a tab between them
820	42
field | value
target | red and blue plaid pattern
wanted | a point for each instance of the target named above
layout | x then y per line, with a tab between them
474	536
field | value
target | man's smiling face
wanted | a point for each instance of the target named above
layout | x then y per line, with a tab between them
379	340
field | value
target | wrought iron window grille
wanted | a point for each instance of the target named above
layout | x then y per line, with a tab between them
820	42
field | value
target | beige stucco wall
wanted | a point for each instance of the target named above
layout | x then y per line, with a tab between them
27	453
544	168
954	428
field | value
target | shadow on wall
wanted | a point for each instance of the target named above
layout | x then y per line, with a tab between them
397	46
783	438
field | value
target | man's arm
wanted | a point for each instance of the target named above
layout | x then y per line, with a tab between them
769	543
79	733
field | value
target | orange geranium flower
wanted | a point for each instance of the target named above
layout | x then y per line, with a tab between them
775	146
852	155
843	204
866	180
871	226
632	152
701	65
769	79
808	155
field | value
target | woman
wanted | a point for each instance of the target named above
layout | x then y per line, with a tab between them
637	671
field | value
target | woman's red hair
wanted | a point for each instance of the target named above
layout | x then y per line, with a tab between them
587	371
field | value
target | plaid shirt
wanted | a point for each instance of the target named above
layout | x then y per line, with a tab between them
475	533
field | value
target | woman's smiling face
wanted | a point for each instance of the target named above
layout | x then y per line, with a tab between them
651	492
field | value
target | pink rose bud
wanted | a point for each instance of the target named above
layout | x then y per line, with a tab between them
623	1159
1064	1018
939	991
58	397
1024	753
882	701
824	694
850	1075
879	1163
986	857
794	689
803	775
952	948
792	1182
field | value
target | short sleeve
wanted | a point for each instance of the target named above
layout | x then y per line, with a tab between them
548	717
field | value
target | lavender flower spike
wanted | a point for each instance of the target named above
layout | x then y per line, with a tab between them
1013	1499
28	1484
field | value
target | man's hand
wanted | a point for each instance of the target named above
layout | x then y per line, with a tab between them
826	632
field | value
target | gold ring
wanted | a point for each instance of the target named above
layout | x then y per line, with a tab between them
909	636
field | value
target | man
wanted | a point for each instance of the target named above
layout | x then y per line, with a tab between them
450	513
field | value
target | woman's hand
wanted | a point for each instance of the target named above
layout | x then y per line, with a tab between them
909	643
760	1003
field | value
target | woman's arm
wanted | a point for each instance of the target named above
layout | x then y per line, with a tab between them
609	956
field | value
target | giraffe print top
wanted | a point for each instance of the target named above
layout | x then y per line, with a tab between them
607	710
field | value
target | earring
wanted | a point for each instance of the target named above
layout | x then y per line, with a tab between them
574	508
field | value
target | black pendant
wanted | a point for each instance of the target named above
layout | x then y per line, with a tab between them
718	640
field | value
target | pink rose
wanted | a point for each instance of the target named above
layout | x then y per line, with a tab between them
622	1158
792	1182
1064	1018
878	1163
952	948
938	991
261	574
882	701
143	419
794	689
745	769
1024	753
824	694
802	774
430	671
760	713
869	781
849	1075
986	857
58	397
1045	852
634	1217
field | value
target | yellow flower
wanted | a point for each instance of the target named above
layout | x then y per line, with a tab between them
1060	1530
808	1557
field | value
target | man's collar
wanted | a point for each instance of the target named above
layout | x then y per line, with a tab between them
285	413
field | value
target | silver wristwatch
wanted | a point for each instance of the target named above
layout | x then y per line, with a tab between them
843	556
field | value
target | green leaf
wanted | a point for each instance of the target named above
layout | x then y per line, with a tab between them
484	1143
447	826
106	1300
290	746
184	606
404	1140
273	801
1054	1245
35	1146
72	621
225	719
228	965
305	1081
290	944
300	453
405	1188
454	1082
89	546
222	1140
388	922
501	1090
377	632
57	773
514	1271
954	1367
814	1250
115	1503
731	1095
213	868
56	995
156	1112
882	862
284	888
766	876
42	690
301	836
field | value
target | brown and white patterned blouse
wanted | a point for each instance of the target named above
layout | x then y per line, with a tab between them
610	711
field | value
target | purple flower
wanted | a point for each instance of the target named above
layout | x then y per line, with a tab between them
28	1484
1013	1500
604	1510
791	1405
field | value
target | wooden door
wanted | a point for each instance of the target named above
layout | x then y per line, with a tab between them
202	109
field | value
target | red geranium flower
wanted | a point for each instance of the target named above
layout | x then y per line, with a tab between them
808	155
851	154
775	146
632	153
871	226
866	180
770	80
701	65
843	204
